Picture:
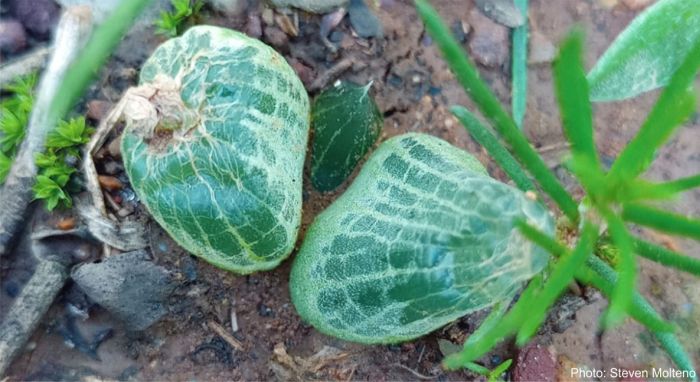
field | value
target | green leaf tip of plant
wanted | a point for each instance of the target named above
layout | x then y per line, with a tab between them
667	257
621	297
676	103
492	109
493	146
662	220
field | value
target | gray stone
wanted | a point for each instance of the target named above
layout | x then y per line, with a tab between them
13	38
313	6
503	12
489	43
38	16
128	285
363	20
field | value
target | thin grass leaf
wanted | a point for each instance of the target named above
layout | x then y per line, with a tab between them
646	315
488	324
572	93
101	44
644	190
519	67
495	374
661	220
600	275
496	150
491	108
667	257
621	297
503	328
674	106
557	282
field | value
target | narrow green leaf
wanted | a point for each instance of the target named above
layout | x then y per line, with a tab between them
5	164
488	324
101	44
557	282
495	374
519	66
674	106
505	327
491	108
645	314
667	257
643	189
627	269
497	151
662	220
600	275
572	93
346	123
647	53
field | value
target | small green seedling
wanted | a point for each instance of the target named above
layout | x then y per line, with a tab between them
171	23
58	163
613	198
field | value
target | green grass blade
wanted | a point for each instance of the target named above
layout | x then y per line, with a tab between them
645	190
673	107
101	44
661	220
557	282
503	328
489	323
491	108
519	67
572	94
667	257
621	297
645	314
498	152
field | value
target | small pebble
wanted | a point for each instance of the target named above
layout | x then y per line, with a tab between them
489	44
264	310
39	17
114	148
98	109
276	37
542	51
110	183
13	38
253	27
66	223
268	17
503	12
364	22
458	31
535	363
637	5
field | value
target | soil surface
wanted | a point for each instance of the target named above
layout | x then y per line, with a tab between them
413	89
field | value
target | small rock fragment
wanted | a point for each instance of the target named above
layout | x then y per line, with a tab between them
114	148
66	223
503	12
13	38
313	6
535	363
231	8
98	109
489	41
364	22
276	37
637	5
306	74
253	26
110	183
129	285
542	51
38	16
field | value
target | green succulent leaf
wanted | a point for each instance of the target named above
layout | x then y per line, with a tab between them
222	174
421	237
346	124
647	53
